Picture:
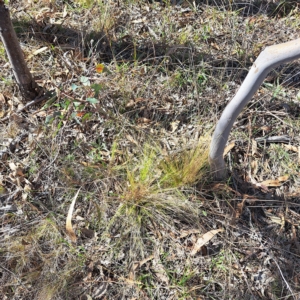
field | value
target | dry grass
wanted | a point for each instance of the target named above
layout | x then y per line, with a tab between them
134	139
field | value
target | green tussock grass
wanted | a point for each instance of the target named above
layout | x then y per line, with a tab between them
152	194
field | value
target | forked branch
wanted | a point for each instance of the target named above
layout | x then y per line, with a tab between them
268	59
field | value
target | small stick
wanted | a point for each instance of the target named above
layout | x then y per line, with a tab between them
274	139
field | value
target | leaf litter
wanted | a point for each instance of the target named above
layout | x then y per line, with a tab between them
148	73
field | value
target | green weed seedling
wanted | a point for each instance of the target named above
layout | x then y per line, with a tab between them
220	262
2	52
97	88
276	89
7	81
87	3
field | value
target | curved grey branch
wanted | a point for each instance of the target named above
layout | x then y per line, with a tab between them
267	60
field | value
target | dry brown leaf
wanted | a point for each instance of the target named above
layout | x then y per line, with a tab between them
131	139
18	172
129	281
275	219
36	52
20	180
274	182
290	147
270	182
174	125
254	167
214	45
141	20
161	273
69	227
143	120
266	128
2	102
228	148
138	264
254	151
159	268
39	50
240	207
27	188
184	233
41	114
130	103
65	12
283	178
2	99
12	166
140	99
43	13
206	237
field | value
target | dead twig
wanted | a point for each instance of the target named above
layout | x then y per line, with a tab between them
33	102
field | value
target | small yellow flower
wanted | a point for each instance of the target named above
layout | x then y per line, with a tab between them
99	68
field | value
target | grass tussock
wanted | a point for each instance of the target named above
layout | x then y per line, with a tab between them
42	256
153	196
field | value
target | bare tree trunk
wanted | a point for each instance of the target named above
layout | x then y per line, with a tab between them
267	60
28	87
